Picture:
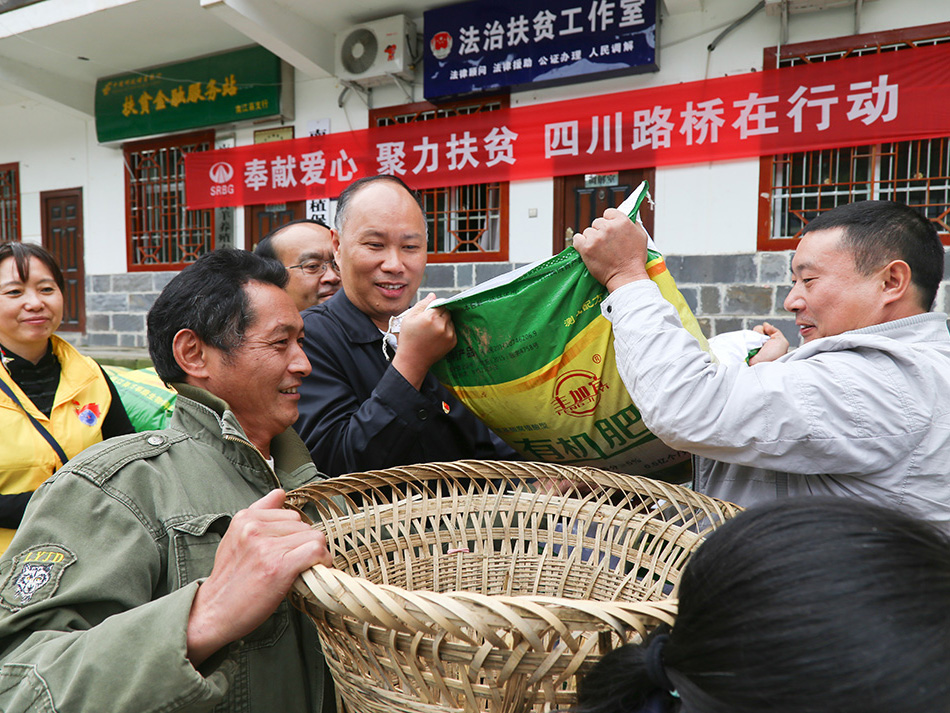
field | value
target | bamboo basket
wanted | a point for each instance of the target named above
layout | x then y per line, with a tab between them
468	586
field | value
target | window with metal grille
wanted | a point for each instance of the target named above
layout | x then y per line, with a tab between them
797	187
466	223
162	233
9	202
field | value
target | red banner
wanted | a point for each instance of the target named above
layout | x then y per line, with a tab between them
895	96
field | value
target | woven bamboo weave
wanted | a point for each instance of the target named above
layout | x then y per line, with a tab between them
469	586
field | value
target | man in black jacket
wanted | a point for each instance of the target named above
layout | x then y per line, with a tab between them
364	408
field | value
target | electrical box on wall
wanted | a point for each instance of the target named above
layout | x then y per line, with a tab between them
371	53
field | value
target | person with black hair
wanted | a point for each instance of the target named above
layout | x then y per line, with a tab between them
370	402
854	411
303	247
54	401
151	570
818	604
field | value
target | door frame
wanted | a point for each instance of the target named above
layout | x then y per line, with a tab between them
562	203
297	210
80	248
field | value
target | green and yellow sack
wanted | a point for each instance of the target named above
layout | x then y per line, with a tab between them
146	399
535	361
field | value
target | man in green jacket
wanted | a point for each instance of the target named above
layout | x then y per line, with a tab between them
150	571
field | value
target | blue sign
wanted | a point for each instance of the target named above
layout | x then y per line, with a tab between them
486	44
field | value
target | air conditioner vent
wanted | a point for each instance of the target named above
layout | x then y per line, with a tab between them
369	54
359	50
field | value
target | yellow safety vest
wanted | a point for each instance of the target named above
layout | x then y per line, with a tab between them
75	421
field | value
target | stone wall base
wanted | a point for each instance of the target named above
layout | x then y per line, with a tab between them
725	292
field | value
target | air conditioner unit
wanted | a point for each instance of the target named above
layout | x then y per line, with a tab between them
369	53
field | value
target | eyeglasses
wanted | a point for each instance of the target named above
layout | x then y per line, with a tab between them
316	267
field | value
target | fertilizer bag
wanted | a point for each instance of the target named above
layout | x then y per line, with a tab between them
535	362
147	401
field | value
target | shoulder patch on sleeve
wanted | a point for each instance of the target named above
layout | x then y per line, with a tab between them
35	575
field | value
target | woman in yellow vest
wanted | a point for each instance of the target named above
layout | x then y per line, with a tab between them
54	402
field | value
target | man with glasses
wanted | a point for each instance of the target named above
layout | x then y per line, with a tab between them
304	248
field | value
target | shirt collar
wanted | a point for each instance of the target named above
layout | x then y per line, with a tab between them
292	461
924	327
17	364
932	324
356	325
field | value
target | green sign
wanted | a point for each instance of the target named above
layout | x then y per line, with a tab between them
221	89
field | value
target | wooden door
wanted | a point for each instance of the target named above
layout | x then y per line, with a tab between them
578	200
61	213
259	220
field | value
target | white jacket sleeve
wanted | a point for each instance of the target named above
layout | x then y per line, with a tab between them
834	412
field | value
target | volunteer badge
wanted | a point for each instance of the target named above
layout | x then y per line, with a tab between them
88	414
35	576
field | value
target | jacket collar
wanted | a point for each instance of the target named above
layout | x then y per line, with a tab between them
931	326
208	419
76	373
358	328
77	370
927	327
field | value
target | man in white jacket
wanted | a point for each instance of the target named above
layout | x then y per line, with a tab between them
862	408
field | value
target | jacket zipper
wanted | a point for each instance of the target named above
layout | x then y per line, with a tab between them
237	439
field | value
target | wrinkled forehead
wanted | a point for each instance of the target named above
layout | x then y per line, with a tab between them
269	307
821	248
303	240
383	208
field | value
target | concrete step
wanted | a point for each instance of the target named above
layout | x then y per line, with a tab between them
130	357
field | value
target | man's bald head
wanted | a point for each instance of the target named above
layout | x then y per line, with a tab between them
305	249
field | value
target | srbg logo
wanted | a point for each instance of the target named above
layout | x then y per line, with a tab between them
221	173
